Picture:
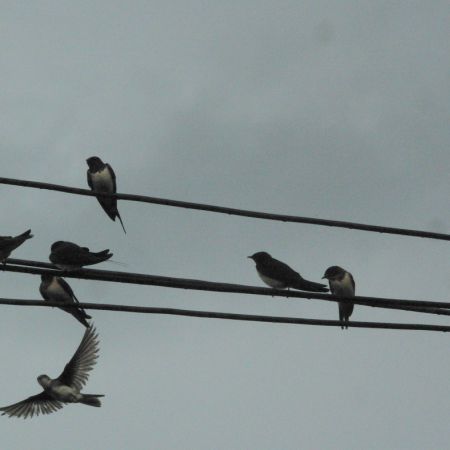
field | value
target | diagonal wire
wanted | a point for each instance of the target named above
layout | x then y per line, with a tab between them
37	268
232	211
229	316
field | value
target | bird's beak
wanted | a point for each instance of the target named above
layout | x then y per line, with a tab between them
323	277
249	257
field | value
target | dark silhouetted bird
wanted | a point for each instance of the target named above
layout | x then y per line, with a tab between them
69	256
279	275
102	179
56	289
10	243
66	388
342	284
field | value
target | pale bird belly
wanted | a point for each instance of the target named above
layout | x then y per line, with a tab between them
102	181
57	293
271	282
343	288
65	393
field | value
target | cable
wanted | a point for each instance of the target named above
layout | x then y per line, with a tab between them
37	268
232	211
228	316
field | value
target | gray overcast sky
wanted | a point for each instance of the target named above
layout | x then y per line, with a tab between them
328	109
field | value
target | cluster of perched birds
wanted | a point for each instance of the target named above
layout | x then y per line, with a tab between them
68	256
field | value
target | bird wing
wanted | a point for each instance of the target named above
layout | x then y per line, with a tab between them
352	280
65	285
75	374
33	406
113	176
70	253
89	180
281	271
43	292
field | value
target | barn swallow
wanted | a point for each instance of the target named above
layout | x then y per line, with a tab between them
342	284
69	256
10	243
279	275
56	289
64	389
102	179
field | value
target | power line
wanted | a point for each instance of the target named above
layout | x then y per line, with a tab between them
231	211
229	316
37	268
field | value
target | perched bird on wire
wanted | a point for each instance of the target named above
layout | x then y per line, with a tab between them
66	388
10	243
279	275
69	256
102	179
56	289
342	284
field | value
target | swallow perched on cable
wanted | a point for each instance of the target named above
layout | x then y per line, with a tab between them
56	289
64	389
279	275
342	284
102	179
69	256
10	243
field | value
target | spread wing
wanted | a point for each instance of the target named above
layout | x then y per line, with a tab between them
75	374
32	406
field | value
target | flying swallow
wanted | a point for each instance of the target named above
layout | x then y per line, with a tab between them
69	256
279	275
56	289
102	179
64	389
10	243
342	284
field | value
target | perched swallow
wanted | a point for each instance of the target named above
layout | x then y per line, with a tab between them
69	256
102	179
56	289
342	284
279	275
10	243
64	389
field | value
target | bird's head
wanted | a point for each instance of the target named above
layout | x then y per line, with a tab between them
333	272
260	257
56	245
94	163
44	380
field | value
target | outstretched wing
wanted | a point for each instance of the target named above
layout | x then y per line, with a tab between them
75	374
33	406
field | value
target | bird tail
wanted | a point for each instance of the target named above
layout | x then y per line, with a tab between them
24	236
121	223
81	316
91	400
103	255
305	285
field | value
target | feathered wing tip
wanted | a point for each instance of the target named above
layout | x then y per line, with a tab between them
91	400
311	286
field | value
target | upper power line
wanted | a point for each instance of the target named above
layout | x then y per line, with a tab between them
232	211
